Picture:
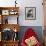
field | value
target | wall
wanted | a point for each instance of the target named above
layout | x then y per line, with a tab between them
27	3
39	13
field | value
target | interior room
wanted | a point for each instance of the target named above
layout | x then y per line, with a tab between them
22	22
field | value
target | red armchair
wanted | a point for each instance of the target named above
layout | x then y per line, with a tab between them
30	39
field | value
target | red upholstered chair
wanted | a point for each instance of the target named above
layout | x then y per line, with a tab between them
29	34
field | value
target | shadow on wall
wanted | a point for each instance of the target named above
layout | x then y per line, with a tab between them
37	29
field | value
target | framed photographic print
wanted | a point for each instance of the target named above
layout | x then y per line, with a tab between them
5	12
30	13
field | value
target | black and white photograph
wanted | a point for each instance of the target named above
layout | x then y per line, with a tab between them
30	13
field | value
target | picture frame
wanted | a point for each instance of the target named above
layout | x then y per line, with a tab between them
13	12
30	13
5	12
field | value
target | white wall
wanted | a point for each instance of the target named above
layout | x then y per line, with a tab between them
39	12
27	3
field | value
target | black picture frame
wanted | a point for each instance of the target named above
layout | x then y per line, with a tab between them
30	13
